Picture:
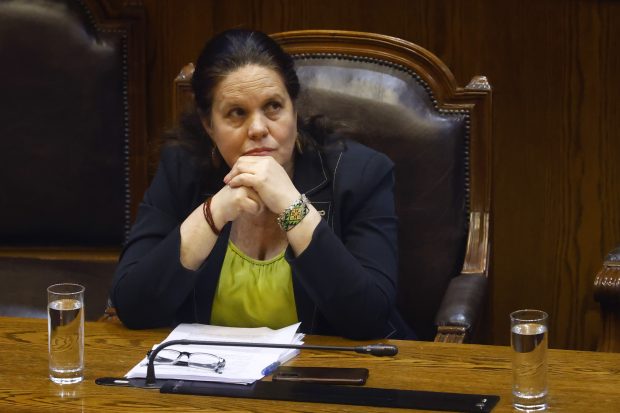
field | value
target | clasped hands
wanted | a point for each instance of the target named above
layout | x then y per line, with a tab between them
253	184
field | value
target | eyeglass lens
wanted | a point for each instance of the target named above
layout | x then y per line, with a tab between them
198	360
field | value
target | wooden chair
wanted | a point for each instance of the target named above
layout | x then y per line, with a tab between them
402	100
72	145
607	293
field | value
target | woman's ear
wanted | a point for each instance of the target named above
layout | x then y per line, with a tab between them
206	124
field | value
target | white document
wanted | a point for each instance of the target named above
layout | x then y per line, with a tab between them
244	365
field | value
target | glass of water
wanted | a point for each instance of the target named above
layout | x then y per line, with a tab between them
65	327
528	340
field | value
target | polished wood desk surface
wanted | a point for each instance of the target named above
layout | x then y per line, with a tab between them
578	381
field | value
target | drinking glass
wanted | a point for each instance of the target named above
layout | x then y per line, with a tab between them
65	327
528	340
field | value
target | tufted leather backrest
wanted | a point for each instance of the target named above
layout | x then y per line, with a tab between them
400	99
389	110
70	128
72	146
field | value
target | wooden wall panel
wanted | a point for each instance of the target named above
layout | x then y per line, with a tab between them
177	30
554	70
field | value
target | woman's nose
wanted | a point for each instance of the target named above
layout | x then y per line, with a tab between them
258	127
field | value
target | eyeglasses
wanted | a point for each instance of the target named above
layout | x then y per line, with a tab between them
197	360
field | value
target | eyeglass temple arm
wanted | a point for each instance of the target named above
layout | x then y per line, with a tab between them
379	350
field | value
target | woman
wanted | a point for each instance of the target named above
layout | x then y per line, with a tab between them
262	221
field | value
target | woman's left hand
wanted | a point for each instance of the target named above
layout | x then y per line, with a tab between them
267	177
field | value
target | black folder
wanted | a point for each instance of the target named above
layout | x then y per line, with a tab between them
336	394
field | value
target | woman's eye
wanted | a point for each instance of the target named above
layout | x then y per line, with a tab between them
236	113
273	107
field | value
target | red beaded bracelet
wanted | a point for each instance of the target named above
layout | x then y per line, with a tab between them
206	210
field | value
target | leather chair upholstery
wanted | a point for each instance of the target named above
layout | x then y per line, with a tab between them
607	293
401	100
72	144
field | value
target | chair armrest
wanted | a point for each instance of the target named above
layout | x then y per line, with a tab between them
607	293
463	298
460	305
613	258
607	281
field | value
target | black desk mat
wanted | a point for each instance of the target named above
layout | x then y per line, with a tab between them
335	394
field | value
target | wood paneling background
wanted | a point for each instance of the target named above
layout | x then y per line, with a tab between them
556	148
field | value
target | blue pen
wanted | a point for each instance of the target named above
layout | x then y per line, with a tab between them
270	368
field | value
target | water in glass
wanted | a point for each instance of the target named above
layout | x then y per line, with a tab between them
529	344
66	340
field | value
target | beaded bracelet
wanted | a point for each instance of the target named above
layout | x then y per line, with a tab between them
294	214
206	210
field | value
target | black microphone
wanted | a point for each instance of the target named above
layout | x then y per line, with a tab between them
379	350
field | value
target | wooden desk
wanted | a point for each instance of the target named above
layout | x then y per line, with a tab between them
578	381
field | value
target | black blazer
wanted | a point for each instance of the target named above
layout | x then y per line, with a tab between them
344	282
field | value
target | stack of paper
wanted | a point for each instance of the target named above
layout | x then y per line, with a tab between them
244	365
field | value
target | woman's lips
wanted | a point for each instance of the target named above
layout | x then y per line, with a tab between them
259	152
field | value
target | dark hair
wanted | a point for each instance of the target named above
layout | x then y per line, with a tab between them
232	50
222	55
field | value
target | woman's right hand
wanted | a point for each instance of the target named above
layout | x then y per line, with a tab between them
197	237
229	203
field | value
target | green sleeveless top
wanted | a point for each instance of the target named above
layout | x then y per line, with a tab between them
254	293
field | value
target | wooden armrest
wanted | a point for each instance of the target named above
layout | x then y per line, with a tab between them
450	334
607	293
463	298
460	305
607	281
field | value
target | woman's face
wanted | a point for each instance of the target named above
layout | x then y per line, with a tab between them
253	115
